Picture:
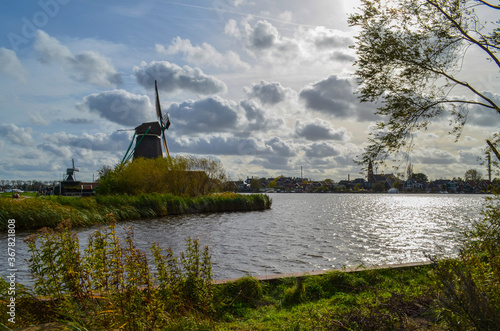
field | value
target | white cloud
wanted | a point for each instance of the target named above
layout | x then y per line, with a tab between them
204	55
119	106
16	135
172	78
89	67
11	66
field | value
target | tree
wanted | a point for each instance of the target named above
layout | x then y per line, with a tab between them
420	177
255	184
410	53
378	187
473	175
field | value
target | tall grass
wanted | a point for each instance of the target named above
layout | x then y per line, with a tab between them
41	212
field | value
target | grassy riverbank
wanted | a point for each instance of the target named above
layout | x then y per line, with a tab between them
111	286
38	212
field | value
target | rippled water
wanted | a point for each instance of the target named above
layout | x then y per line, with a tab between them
304	232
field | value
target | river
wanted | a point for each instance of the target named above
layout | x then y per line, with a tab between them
305	232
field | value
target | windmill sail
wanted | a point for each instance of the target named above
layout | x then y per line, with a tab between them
160	118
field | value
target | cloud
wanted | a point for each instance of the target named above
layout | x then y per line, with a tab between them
319	129
331	96
204	55
269	93
16	135
119	106
433	156
172	78
311	46
212	114
335	96
482	116
89	67
259	118
321	150
37	119
11	66
326	39
114	142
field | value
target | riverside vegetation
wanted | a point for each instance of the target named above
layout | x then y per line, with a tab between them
144	188
110	285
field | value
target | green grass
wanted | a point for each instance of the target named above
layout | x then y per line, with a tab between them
38	212
389	299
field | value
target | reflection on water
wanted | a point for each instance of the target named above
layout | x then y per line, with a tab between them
304	232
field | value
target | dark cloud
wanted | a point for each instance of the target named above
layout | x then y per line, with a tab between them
335	96
120	106
88	67
321	150
260	118
269	93
332	96
16	135
263	36
212	114
172	78
319	129
78	121
223	145
484	117
342	57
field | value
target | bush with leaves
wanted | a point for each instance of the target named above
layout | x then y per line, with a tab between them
180	175
111	285
470	285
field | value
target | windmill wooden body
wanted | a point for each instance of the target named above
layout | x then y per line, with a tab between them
149	136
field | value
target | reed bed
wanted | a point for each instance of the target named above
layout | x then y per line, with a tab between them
34	213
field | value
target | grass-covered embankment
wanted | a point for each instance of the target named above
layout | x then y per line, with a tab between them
33	213
112	285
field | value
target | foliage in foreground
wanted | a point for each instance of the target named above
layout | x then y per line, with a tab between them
180	175
39	212
410	56
470	285
110	285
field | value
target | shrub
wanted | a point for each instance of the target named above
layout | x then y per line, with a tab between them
110	285
470	286
180	175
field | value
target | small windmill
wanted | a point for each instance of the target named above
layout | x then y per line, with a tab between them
70	173
147	136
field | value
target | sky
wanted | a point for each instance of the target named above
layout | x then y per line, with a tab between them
266	87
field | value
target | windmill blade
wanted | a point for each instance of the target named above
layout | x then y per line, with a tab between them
165	143
160	118
158	107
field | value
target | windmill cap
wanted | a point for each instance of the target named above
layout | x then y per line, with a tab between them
155	128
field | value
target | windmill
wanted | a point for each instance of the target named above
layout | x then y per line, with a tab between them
70	173
149	136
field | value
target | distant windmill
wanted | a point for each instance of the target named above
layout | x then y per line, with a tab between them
70	173
148	135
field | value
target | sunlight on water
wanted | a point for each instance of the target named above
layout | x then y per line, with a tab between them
304	232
